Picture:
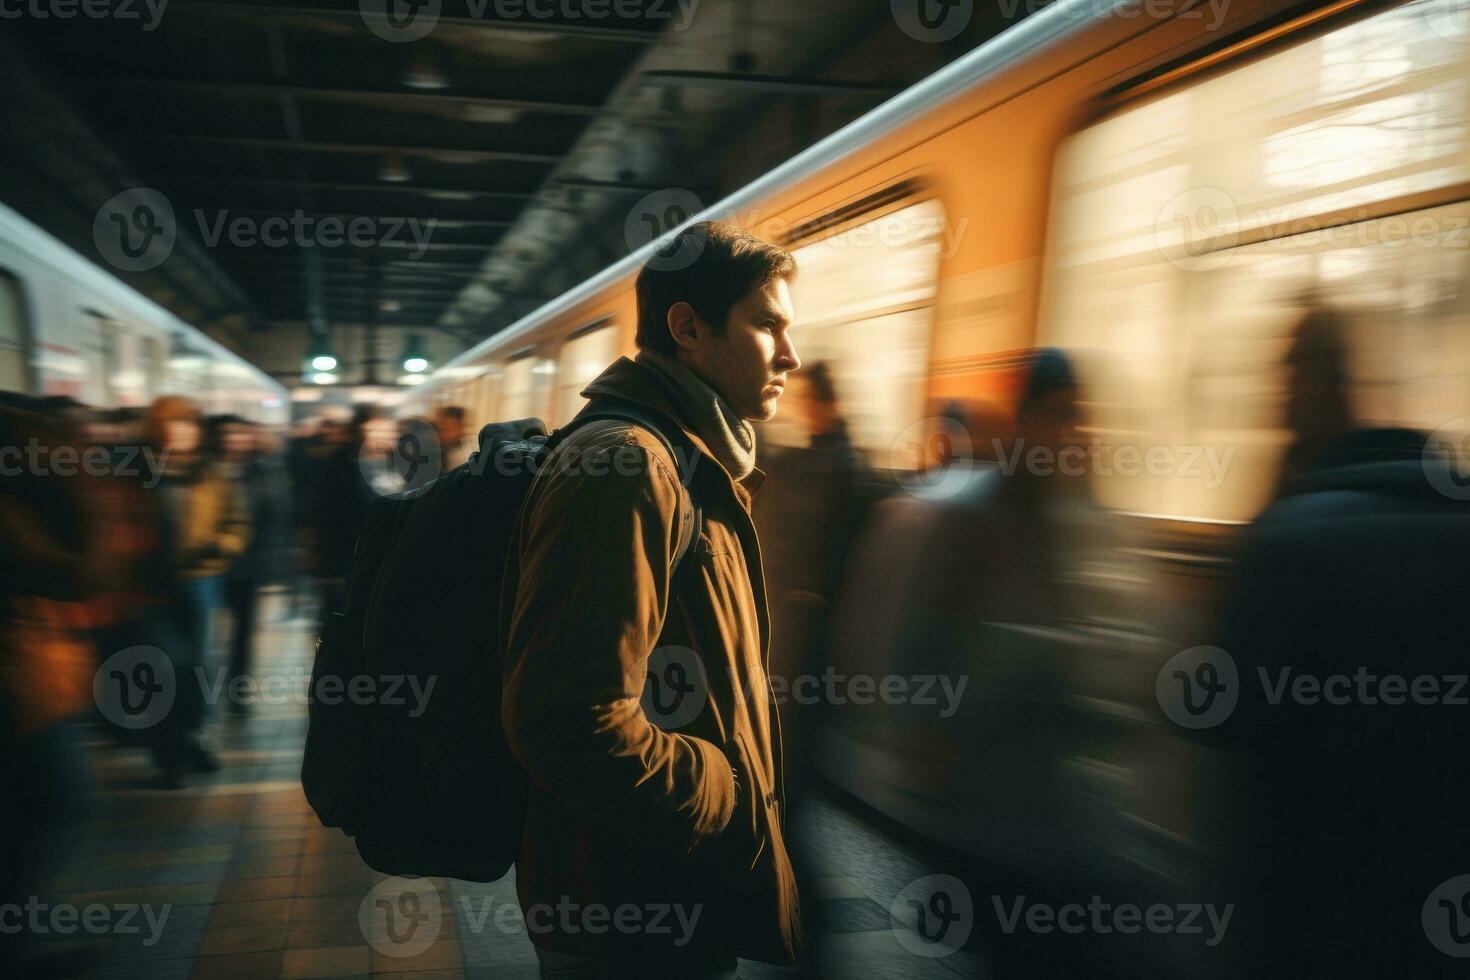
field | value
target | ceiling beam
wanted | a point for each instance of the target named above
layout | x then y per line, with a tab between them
307	146
406	101
488	21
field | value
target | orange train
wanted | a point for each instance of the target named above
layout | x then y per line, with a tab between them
1162	186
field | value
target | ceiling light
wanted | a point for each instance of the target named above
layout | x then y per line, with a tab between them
393	169
424	75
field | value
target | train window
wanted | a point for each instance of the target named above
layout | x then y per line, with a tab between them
864	302
155	364
14	335
1190	234
485	399
102	331
581	359
516	398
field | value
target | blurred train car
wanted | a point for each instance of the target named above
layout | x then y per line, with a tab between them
1166	189
69	328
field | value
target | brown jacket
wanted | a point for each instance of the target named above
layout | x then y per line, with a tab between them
216	525
623	810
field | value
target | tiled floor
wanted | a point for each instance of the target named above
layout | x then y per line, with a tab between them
234	877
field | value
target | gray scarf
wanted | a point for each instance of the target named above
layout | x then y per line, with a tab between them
729	437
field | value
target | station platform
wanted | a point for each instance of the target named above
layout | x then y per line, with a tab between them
233	876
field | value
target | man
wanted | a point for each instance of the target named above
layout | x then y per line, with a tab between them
656	848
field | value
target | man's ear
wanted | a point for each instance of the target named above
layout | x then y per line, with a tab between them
684	326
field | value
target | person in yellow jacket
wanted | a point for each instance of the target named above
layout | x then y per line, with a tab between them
203	525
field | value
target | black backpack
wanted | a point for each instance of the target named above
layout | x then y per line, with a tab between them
422	776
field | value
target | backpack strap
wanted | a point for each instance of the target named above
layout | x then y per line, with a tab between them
675	442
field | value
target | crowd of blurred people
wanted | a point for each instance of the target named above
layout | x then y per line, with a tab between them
159	529
1011	577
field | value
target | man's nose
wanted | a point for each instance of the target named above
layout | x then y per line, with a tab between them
786	357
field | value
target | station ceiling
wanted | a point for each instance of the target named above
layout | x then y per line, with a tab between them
473	159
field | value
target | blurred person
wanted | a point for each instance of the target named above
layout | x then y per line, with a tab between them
811	510
972	578
46	667
340	494
237	445
203	525
449	428
1345	629
620	810
302	451
1319	408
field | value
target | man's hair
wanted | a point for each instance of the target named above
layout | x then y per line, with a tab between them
452	412
727	264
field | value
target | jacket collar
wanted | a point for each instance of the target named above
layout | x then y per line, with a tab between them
630	381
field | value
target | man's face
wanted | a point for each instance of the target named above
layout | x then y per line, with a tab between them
748	361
